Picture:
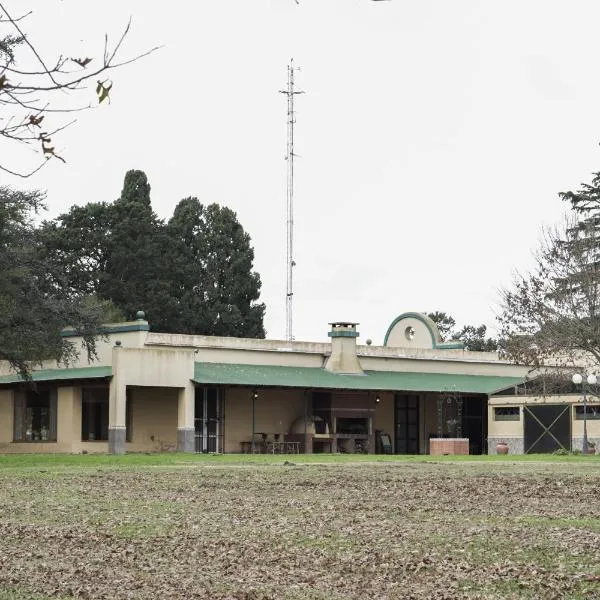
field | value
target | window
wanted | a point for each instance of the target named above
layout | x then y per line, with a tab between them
94	414
35	416
507	413
592	412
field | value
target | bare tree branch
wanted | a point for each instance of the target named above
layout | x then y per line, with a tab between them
29	96
551	316
19	30
26	174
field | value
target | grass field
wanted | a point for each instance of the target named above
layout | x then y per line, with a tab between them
256	528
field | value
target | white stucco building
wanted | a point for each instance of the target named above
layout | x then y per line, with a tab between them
160	392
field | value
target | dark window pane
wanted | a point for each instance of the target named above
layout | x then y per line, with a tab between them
94	414
128	416
507	413
592	412
35	417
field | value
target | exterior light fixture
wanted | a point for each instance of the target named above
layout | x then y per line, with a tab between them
377	399
591	379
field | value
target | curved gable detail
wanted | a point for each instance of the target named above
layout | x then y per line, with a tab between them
416	330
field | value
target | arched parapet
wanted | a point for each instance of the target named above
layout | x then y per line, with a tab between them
417	330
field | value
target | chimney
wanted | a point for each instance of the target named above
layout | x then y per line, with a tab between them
343	357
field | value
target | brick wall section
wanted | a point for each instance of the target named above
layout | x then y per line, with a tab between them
438	446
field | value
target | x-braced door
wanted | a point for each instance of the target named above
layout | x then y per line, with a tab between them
547	428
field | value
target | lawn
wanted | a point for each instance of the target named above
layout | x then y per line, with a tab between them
252	528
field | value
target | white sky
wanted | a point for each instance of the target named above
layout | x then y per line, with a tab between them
434	137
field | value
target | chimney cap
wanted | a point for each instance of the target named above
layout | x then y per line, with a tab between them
343	329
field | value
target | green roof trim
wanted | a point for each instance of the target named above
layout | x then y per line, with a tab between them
60	375
312	377
139	326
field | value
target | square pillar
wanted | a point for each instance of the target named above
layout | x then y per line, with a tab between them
117	427
68	426
186	432
7	412
117	399
371	441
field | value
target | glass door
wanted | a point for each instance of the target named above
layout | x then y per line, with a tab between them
209	420
407	424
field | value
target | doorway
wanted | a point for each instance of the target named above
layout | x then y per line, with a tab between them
407	423
208	421
474	423
547	428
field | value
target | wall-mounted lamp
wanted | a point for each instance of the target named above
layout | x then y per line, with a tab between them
254	395
377	399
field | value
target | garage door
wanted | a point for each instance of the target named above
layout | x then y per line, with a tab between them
547	428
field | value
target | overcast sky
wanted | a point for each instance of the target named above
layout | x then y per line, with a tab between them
434	137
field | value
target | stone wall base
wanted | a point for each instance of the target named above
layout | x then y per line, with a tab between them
186	439
116	440
515	444
577	443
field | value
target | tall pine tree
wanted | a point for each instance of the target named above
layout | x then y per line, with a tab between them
136	244
216	289
192	275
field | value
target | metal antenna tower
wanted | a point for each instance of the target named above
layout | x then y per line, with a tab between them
290	155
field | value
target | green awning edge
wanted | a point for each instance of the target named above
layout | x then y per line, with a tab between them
60	375
316	378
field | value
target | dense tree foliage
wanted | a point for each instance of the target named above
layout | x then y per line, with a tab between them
136	274
35	303
474	337
215	290
445	323
190	275
552	314
64	238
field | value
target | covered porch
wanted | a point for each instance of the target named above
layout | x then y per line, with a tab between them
258	408
233	408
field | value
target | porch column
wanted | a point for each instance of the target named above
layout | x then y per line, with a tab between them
7	411
306	423
69	417
117	425
117	428
186	432
371	440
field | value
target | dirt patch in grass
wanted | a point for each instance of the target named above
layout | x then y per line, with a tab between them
308	531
